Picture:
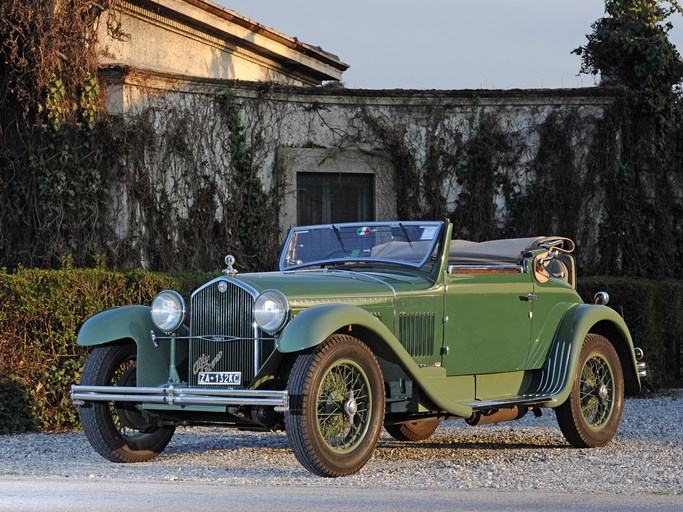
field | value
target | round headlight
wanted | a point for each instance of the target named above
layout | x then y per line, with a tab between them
270	310
168	311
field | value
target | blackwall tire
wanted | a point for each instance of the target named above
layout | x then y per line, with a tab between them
336	407
591	415
118	431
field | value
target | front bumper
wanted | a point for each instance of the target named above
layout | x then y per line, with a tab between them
171	395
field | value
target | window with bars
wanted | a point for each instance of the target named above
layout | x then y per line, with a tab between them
327	198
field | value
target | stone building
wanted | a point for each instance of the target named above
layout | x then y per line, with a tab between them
491	160
160	44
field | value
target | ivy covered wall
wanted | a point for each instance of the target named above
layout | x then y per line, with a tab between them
203	168
199	174
128	168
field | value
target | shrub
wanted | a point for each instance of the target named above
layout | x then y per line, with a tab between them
653	310
40	314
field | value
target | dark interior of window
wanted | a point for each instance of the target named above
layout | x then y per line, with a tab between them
328	198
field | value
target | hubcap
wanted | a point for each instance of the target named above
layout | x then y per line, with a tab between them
351	408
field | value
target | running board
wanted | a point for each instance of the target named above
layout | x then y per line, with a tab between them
510	402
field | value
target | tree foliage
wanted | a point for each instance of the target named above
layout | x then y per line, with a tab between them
630	46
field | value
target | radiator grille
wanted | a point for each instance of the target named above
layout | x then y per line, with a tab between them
416	332
227	313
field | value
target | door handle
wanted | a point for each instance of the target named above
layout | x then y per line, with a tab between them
528	298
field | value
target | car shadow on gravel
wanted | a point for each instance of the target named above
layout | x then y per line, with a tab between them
473	445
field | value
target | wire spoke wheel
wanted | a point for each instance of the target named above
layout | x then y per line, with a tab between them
336	406
344	406
591	415
597	392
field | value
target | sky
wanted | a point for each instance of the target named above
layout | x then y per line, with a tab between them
443	44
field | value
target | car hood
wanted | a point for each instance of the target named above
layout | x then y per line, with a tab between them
328	285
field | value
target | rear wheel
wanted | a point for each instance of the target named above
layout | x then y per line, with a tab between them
413	431
336	407
118	431
591	415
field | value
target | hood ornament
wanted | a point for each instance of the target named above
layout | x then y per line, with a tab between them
228	270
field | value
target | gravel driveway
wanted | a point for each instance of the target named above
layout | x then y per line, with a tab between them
529	454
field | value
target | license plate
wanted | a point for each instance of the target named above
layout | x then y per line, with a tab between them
220	378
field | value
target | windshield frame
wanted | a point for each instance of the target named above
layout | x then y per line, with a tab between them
336	228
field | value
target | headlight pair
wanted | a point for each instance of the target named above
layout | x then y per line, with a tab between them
270	311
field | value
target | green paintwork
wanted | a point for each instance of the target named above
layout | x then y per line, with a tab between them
316	324
132	323
115	324
420	313
501	385
489	324
555	298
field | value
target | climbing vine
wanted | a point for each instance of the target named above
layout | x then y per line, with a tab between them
630	48
52	162
181	180
489	154
158	188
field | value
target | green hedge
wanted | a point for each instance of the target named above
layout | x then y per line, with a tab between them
42	310
40	314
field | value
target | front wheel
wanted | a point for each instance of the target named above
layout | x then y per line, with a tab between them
591	415
118	431
337	407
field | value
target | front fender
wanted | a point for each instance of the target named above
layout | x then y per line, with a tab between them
314	325
128	322
576	324
132	323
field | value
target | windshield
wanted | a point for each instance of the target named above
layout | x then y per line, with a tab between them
404	243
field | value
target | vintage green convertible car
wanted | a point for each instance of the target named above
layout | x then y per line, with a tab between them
388	324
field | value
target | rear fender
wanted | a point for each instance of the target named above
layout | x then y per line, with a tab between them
578	321
314	325
133	324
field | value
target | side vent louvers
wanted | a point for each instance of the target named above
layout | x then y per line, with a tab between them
416	332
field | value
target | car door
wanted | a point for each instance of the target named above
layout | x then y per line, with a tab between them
488	324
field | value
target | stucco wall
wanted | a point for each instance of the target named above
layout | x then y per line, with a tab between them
391	134
204	40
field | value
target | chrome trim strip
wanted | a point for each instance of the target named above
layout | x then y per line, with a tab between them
180	396
555	373
520	400
517	268
257	349
218	338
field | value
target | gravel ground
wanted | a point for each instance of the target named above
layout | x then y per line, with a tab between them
529	454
